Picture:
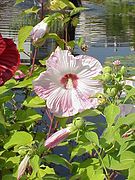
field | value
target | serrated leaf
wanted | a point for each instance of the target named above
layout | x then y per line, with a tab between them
110	113
23	34
18	138
34	102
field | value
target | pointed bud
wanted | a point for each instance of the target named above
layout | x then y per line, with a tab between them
57	137
39	31
22	167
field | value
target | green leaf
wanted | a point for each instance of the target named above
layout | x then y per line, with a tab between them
29	115
34	162
108	135
81	149
34	102
130	93
126	145
25	83
80	41
19	1
128	120
12	161
23	34
6	97
110	113
46	171
92	137
62	121
71	44
125	161
131	174
76	10
2	119
7	86
9	177
34	10
55	37
57	160
68	3
89	112
18	138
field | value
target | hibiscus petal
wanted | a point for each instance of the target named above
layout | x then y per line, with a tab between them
45	84
9	59
2	44
63	61
91	66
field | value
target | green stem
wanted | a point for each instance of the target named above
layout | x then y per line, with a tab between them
100	158
77	136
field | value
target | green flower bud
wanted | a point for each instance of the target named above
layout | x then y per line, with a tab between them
123	70
107	69
112	92
79	122
107	77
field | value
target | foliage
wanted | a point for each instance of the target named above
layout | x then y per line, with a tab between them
91	155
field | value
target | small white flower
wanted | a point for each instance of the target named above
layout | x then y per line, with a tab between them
39	31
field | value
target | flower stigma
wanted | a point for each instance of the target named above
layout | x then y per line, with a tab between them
69	81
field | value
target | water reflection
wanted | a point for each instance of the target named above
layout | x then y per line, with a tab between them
108	28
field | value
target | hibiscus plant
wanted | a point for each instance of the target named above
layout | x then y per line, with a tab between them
67	117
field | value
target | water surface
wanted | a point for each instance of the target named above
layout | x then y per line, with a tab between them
108	29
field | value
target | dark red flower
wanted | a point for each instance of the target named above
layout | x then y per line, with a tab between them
9	59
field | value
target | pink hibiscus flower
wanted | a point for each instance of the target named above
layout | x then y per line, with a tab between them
68	85
9	59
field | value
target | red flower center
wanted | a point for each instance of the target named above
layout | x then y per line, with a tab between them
69	81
